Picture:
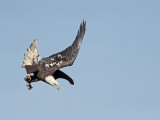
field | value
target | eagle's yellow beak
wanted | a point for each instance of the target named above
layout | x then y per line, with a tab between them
57	87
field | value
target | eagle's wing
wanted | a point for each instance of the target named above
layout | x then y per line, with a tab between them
31	59
60	74
67	56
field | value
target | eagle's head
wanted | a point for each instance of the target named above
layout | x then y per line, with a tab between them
55	84
51	80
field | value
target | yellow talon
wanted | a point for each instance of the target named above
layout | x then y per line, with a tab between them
30	86
27	79
28	76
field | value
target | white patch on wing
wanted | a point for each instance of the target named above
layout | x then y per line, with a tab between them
46	65
79	45
60	56
58	64
52	58
52	64
50	79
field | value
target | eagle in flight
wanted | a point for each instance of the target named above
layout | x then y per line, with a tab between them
47	69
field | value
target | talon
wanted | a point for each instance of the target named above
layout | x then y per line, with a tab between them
29	86
28	80
28	76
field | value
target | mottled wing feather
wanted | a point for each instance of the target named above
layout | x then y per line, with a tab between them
31	59
67	56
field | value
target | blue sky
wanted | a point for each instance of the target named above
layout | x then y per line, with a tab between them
117	71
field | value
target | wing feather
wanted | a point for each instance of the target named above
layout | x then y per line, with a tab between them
31	59
67	56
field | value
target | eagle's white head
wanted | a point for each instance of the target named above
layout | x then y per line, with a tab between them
50	80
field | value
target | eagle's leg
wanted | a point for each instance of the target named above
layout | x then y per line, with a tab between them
28	80
28	76
29	85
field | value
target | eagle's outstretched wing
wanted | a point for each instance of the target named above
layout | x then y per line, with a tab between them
67	56
31	59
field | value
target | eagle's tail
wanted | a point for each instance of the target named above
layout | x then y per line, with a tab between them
33	56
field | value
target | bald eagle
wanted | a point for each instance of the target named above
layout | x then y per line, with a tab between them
48	69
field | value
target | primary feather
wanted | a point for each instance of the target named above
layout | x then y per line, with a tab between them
33	56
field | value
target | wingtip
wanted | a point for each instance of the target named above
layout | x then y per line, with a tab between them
35	40
84	22
82	26
72	82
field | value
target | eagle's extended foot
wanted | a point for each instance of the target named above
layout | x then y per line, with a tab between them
29	86
28	79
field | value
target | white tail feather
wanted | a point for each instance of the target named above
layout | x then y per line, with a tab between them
32	56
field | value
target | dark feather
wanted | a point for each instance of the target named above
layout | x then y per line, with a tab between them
60	74
67	56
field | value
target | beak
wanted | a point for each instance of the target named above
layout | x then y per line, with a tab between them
57	87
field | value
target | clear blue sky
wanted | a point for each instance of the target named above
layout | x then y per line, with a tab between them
117	71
